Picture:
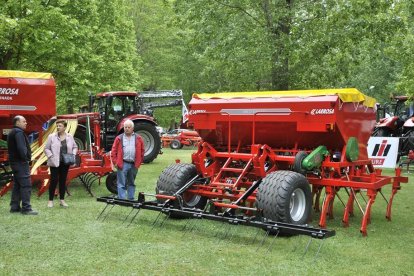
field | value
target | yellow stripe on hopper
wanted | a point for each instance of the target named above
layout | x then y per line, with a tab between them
345	94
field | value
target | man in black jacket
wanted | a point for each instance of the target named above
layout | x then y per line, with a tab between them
20	155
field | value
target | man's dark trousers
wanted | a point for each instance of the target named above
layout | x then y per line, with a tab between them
22	187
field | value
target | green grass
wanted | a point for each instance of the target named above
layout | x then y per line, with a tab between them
72	241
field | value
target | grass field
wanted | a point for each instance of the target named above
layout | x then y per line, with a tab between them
72	241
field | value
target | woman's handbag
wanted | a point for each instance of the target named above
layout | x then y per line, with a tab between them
68	158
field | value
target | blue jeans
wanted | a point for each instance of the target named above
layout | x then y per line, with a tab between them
125	179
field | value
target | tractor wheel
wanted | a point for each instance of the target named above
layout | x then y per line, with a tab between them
111	183
407	143
173	178
80	137
285	196
152	140
175	144
297	165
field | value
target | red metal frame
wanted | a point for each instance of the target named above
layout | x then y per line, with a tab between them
241	148
94	161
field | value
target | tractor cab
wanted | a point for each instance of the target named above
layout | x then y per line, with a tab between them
113	107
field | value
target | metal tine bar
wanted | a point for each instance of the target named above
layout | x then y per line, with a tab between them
232	232
229	228
165	219
273	240
255	236
103	210
319	249
228	231
225	232
295	246
156	219
133	218
357	201
218	231
192	227
383	196
340	199
262	241
107	213
307	247
363	197
186	224
132	209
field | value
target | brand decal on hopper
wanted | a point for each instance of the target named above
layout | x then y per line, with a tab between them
322	111
9	91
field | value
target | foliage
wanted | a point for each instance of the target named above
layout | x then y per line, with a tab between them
73	242
210	45
87	45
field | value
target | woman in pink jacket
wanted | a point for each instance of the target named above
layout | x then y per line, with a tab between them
58	144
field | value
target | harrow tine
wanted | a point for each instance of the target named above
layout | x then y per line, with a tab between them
186	224
218	231
227	230
136	214
127	216
231	233
107	213
165	219
156	220
103	210
383	196
319	249
307	247
192	227
296	246
262	241
255	236
273	240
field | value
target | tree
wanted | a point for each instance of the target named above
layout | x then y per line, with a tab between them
87	46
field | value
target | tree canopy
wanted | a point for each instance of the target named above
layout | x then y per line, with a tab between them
210	45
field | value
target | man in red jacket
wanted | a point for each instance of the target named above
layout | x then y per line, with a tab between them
127	155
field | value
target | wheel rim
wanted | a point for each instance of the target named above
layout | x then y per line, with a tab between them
297	204
191	200
149	142
175	145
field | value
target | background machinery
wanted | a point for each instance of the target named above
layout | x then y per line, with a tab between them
395	119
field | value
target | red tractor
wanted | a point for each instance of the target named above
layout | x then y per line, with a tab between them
396	120
113	108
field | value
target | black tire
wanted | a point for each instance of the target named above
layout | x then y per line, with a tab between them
173	178
407	143
297	164
285	196
175	144
80	137
111	183
382	132
152	140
